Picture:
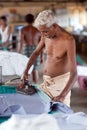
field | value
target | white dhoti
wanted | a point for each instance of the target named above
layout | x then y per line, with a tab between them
54	86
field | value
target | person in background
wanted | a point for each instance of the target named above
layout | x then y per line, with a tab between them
5	33
60	71
29	39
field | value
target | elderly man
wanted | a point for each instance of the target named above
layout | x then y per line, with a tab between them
60	71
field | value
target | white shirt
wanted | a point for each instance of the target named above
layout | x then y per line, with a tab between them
4	34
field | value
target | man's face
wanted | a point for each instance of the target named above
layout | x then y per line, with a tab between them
2	22
48	32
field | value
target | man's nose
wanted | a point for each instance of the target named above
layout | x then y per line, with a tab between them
45	34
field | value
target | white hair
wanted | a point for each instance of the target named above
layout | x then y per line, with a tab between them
46	18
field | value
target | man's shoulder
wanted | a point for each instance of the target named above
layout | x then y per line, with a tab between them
69	39
68	36
24	28
27	27
34	28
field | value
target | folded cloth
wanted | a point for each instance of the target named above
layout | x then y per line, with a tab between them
40	122
60	107
31	104
77	118
7	110
4	106
54	86
17	109
13	109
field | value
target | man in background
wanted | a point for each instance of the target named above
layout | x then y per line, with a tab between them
29	39
5	33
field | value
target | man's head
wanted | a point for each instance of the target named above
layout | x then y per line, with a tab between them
29	18
46	22
46	18
3	20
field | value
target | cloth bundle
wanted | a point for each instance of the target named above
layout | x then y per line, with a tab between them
7	110
39	122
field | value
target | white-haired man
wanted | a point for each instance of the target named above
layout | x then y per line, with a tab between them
60	71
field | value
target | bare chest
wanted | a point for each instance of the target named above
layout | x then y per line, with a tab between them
55	48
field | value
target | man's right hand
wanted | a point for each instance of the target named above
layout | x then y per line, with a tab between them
24	77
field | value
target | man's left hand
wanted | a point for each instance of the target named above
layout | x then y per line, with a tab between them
58	99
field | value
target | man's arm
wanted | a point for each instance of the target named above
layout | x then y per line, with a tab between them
42	56
21	41
33	57
71	54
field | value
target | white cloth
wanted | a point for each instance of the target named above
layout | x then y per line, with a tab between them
41	122
54	86
74	121
13	63
82	70
79	118
4	34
